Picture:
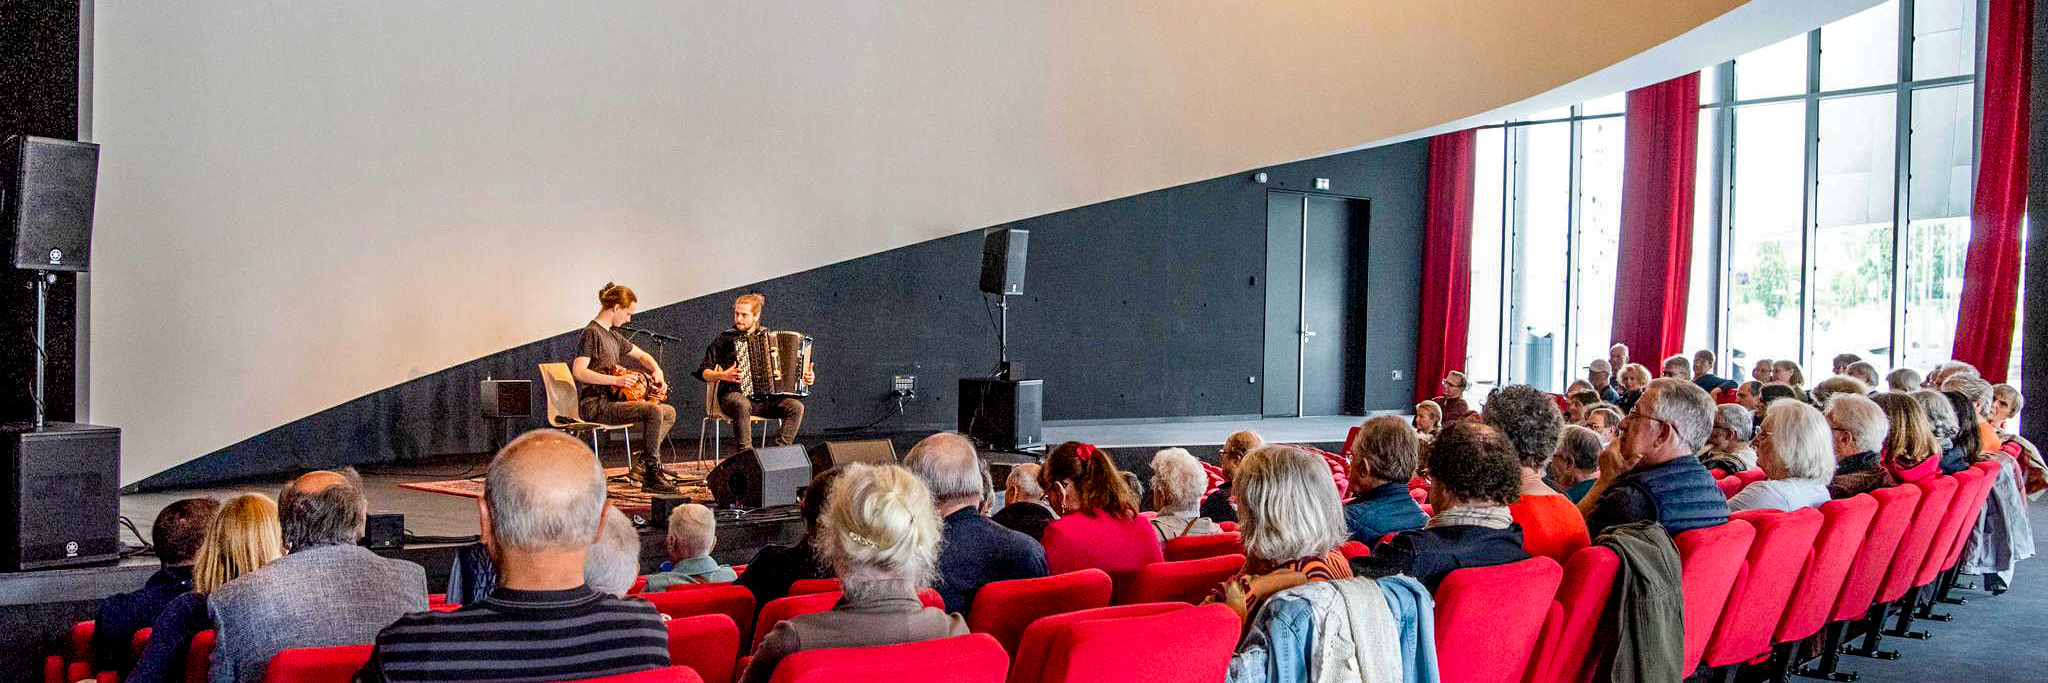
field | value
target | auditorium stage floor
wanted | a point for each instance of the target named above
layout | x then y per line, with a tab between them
1201	431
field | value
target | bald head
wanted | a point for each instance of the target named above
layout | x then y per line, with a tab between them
321	508
947	463
544	491
315	482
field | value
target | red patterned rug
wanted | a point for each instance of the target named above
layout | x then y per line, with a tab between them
623	492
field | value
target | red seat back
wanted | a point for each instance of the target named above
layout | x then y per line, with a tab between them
1206	545
1895	506
1730	485
1191	645
972	658
732	601
1003	609
1784	542
1353	549
332	664
1489	619
1844	523
666	674
707	643
1963	513
1935	495
81	642
809	586
1028	664
639	584
1227	526
138	641
1751	475
1566	653
199	657
781	609
1185	581
1710	558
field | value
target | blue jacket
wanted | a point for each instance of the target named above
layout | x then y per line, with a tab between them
1282	636
1382	510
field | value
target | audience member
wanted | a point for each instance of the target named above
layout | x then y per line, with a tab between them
1429	416
1634	378
881	535
974	550
1941	372
1793	450
1605	421
176	535
775	567
1383	459
2006	404
1453	386
1903	380
1551	524
1602	376
692	534
1177	483
1703	373
1651	472
1842	361
1577	463
1859	431
1577	404
1838	384
1941	420
1864	372
326	591
1291	527
1789	374
1577	386
1617	358
1772	393
1024	506
1750	395
1217	505
543	503
1910	451
1969	440
1763	371
1474	479
1099	524
1978	396
1677	367
240	538
1728	446
1136	485
613	563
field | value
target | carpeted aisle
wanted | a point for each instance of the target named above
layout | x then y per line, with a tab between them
1992	639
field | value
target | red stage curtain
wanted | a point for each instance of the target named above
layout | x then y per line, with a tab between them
1655	262
1991	273
1446	261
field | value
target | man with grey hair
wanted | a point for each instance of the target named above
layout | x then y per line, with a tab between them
544	498
614	560
1859	427
692	533
1652	473
975	549
1734	428
1024	506
327	591
1678	367
1601	375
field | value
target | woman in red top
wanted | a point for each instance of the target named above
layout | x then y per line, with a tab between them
1099	526
1551	523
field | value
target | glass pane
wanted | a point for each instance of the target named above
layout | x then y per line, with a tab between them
1563	112
1861	49
1764	240
1772	71
1938	194
1539	266
1944	38
1599	237
1611	104
1710	84
1852	277
1482	342
1700	309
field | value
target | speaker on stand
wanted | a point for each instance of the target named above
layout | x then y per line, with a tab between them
1003	410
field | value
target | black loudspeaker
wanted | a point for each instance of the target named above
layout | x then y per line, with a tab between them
836	453
1002	261
62	506
1002	413
757	478
46	204
506	397
386	531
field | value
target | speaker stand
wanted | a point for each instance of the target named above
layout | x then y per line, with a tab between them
43	280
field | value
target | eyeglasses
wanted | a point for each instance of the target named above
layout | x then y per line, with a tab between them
1639	413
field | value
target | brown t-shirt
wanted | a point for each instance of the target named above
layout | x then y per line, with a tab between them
604	346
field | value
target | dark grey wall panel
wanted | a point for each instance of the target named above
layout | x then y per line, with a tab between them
1150	306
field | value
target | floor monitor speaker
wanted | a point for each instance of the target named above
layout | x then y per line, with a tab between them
506	398
871	451
765	477
63	505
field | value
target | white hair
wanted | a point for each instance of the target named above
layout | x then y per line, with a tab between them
1972	385
614	560
693	528
1287	504
1177	480
534	512
1801	439
1862	417
1904	380
880	530
947	463
1737	419
1024	478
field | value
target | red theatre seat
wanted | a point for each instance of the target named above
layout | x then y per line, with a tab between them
732	601
1189	645
1730	485
972	658
1185	581
781	609
1489	619
1975	487
1206	545
199	657
1227	526
1003	609
1756	603
1710	559
1354	549
1750	476
809	586
1935	495
332	664
667	674
639	584
1566	654
1029	661
1844	525
707	643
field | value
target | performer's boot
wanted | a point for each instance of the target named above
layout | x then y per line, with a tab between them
652	479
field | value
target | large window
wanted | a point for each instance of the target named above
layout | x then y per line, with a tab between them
1832	211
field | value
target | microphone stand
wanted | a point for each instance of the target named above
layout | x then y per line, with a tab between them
660	357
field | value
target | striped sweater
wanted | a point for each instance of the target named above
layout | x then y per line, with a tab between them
515	635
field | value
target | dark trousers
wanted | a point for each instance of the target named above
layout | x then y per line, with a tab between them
787	409
651	421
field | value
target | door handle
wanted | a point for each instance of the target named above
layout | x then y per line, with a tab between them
1306	334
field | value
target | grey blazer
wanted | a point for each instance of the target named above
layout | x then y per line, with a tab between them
323	595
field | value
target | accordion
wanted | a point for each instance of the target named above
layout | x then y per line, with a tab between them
772	364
